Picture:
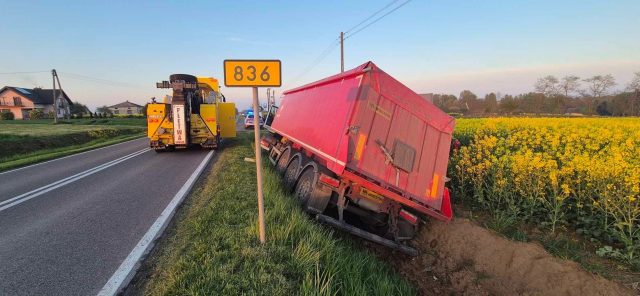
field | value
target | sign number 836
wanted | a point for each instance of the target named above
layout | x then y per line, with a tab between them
252	73
238	73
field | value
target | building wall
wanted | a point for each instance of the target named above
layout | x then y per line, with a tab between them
26	105
7	102
124	110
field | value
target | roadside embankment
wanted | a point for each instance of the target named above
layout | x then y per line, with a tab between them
213	248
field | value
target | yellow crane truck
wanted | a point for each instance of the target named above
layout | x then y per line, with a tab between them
196	114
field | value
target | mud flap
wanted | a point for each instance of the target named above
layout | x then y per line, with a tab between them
319	199
445	209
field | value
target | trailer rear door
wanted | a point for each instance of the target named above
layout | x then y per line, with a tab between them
399	140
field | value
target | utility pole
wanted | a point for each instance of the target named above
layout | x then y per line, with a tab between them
341	52
65	104
268	99
55	104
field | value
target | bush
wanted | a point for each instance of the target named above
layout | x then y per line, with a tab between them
51	114
7	116
36	114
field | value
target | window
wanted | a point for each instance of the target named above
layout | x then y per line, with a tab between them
2	101
5	110
17	101
129	112
116	111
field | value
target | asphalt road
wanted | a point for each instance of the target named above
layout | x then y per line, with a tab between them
67	225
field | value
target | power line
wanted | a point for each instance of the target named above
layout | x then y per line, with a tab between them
315	62
371	16
23	72
99	80
378	19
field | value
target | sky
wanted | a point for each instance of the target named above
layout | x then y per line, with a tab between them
107	52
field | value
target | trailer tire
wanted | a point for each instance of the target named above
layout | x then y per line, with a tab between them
305	186
283	160
291	173
310	193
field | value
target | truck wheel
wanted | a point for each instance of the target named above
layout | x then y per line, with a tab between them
284	158
305	186
291	173
313	196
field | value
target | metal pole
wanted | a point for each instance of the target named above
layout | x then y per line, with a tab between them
55	104
268	99
256	132
341	52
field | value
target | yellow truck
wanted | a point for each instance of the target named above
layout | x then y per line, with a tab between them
196	114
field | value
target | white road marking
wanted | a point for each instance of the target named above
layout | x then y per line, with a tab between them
92	150
44	189
130	265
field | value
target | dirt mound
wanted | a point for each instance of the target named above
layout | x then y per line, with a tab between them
465	259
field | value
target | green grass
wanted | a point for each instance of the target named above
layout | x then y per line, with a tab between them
84	121
31	141
213	247
48	154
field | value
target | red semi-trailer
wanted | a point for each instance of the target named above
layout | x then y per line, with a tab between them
363	143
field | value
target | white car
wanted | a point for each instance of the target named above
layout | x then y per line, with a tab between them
248	121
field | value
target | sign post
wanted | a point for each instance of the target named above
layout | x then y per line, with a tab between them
254	73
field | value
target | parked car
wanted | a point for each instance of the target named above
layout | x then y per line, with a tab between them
248	121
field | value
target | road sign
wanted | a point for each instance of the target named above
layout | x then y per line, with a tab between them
252	73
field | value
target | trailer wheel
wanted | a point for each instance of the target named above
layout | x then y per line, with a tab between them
305	186
313	196
291	173
283	160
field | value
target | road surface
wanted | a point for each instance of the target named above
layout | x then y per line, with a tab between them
67	225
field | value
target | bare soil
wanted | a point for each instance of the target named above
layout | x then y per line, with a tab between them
463	258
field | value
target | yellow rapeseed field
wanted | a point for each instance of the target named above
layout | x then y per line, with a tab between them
581	174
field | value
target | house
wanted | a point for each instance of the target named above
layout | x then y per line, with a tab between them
20	100
126	108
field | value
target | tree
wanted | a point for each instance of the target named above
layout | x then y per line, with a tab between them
599	85
634	87
78	109
103	110
469	102
491	103
508	104
569	84
547	85
445	102
603	109
144	109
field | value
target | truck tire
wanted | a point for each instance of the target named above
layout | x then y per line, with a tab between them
312	196
305	186
283	160
184	77
291	173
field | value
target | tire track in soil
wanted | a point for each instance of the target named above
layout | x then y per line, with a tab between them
462	258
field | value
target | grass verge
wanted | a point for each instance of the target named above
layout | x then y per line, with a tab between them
212	246
20	160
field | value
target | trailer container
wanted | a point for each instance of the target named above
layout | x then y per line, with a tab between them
363	142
